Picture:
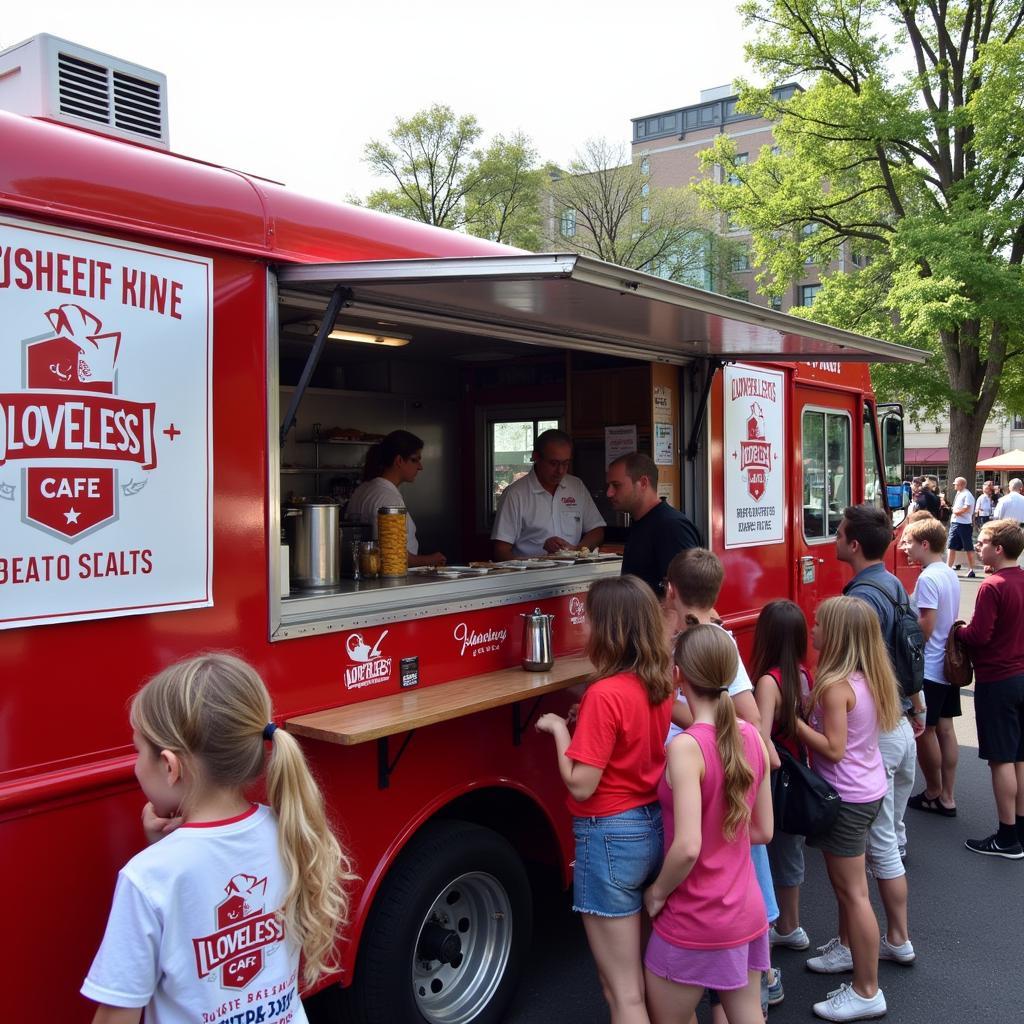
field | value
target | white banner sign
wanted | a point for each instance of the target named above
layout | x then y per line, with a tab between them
755	486
106	458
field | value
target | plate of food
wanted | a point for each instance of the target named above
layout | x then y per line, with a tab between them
466	570
581	555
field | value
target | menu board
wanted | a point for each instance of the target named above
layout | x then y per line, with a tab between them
106	455
754	405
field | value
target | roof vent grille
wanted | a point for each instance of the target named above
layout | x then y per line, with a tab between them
56	79
84	89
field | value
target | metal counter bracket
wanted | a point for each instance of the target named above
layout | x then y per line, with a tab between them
386	767
518	725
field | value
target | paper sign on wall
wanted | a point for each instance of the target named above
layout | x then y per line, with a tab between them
105	427
618	441
664	454
754	457
662	404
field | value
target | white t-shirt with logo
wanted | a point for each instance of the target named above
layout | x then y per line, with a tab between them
372	495
528	515
938	587
193	935
963	507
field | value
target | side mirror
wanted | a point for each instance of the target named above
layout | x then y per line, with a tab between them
890	422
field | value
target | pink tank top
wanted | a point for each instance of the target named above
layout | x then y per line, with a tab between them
860	776
719	904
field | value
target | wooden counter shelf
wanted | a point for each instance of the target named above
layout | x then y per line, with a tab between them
405	712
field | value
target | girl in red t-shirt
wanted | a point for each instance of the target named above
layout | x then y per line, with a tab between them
710	925
611	766
781	687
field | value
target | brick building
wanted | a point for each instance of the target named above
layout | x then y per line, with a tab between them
667	144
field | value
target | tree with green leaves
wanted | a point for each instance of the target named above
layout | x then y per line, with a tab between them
903	158
604	205
440	176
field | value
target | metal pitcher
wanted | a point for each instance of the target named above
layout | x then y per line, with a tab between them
537	650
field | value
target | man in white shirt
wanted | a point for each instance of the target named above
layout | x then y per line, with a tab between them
937	597
547	510
961	527
1011	504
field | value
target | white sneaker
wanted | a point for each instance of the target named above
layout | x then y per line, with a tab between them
796	939
846	1004
835	958
902	954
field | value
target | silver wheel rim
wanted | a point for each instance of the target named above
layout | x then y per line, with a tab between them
476	907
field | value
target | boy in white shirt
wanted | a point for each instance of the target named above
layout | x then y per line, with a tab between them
937	599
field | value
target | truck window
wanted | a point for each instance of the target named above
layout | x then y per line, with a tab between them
826	472
510	449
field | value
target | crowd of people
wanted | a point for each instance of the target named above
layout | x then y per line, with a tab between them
669	754
683	880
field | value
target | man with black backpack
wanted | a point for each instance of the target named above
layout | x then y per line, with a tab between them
862	540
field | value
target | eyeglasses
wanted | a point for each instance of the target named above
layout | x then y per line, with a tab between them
557	463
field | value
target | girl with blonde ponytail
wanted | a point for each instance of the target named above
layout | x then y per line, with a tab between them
229	891
855	697
710	924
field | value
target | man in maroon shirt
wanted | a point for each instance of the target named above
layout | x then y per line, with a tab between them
995	641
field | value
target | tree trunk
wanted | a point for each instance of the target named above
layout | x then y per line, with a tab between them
965	429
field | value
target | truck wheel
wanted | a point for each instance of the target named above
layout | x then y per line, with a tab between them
447	934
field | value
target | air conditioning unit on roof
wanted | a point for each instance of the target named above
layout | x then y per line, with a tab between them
59	80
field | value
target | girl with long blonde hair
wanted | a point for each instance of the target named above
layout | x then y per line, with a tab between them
710	924
611	766
228	887
855	697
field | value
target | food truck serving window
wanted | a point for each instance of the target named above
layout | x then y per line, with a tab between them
406	347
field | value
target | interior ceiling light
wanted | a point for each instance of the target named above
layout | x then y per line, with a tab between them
387	340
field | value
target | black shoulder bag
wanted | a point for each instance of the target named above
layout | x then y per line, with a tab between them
803	802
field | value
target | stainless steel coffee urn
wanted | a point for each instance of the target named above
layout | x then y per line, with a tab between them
314	539
537	649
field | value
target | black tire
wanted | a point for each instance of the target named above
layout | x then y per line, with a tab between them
474	871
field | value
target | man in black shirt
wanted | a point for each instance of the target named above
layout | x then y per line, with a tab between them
658	532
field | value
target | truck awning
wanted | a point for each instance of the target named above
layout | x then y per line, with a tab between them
572	301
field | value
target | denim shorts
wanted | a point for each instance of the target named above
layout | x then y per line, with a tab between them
617	857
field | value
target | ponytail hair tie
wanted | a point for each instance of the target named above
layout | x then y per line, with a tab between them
268	731
722	689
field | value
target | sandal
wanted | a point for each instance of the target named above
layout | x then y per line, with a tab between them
920	802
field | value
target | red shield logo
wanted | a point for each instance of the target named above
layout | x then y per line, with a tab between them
70	414
244	936
238	972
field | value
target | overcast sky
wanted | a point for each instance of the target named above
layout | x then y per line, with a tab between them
293	91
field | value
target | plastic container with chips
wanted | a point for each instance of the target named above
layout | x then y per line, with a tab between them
391	535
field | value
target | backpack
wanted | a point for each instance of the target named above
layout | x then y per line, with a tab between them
906	644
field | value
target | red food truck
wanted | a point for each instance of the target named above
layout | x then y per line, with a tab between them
183	352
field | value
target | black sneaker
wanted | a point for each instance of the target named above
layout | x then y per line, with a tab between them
991	848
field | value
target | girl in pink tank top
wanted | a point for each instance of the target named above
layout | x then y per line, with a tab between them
855	696
710	928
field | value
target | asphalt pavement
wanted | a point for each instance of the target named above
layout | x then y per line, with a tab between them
966	923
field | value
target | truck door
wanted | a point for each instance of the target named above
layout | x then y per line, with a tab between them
824	475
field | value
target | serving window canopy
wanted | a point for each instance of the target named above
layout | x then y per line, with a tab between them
575	302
